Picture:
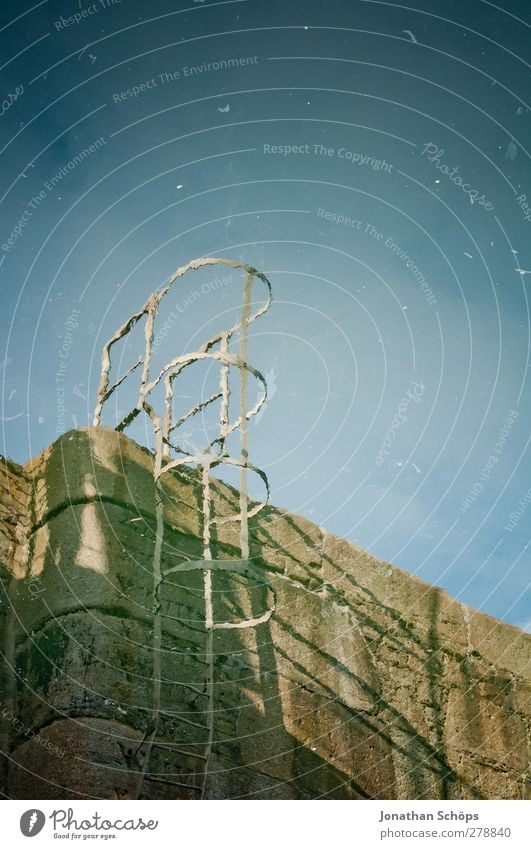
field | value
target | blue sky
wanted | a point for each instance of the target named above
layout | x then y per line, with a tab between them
373	161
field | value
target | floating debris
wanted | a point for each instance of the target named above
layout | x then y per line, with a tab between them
511	151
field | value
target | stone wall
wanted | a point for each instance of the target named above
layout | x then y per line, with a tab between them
365	683
15	533
15	516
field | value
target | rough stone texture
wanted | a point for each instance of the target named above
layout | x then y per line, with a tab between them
365	683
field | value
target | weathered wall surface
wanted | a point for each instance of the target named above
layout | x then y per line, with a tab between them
365	683
15	533
15	516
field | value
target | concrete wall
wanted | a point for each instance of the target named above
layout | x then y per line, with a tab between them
365	683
